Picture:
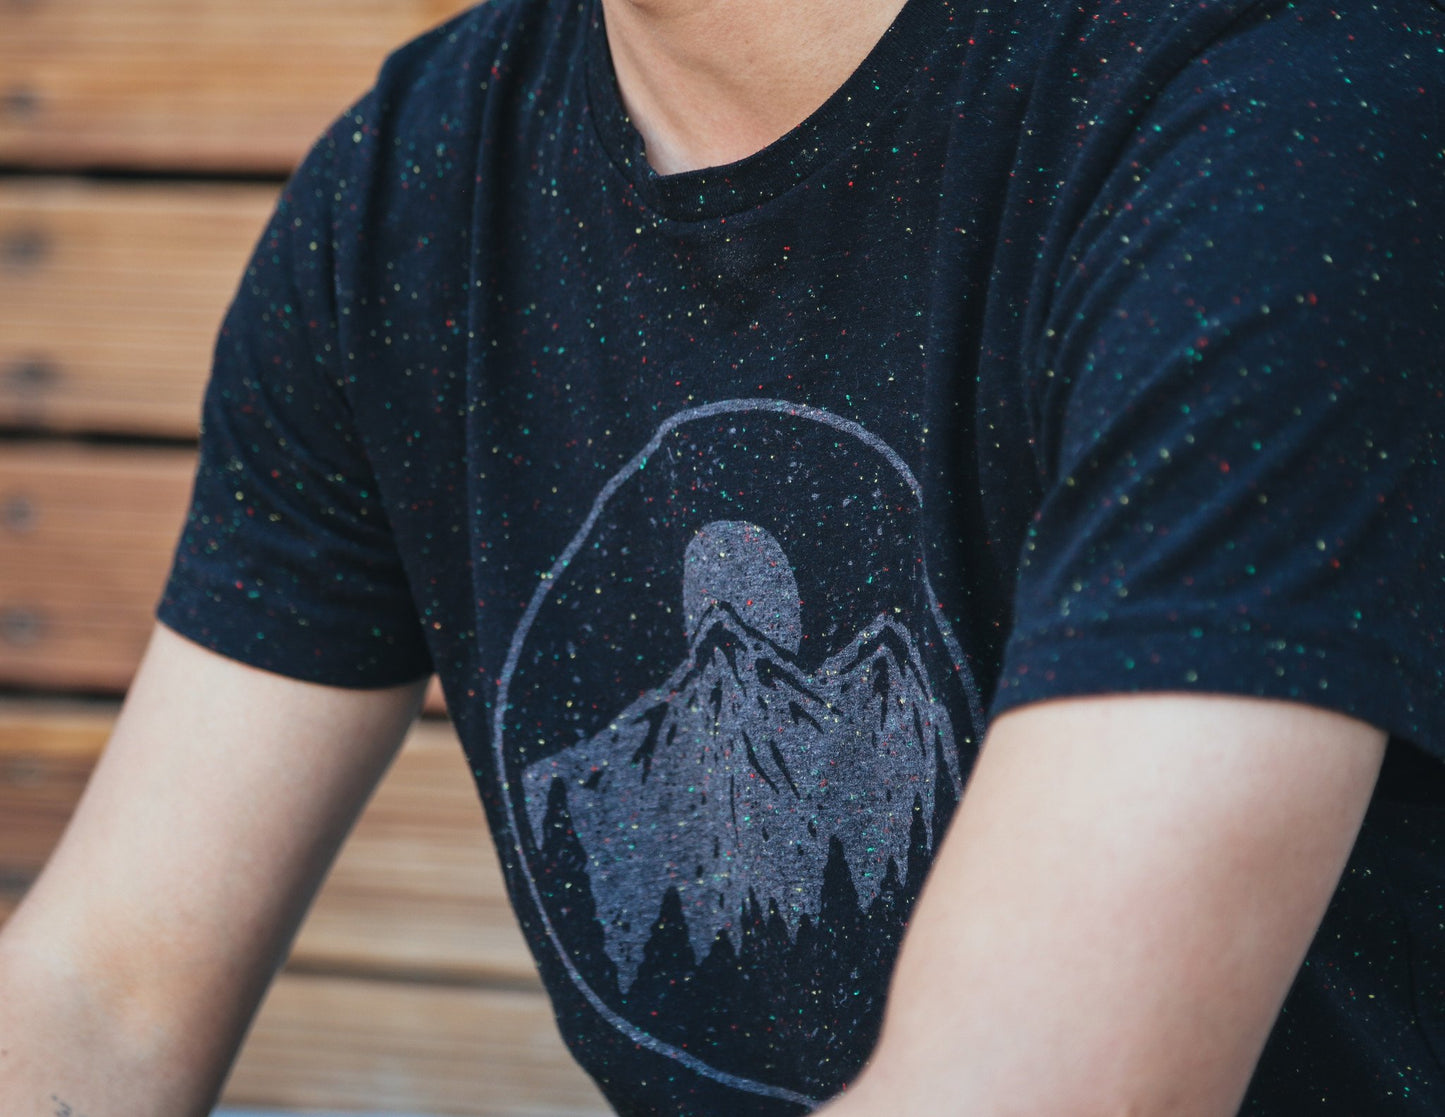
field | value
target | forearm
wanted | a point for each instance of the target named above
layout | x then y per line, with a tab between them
1117	911
75	1043
130	973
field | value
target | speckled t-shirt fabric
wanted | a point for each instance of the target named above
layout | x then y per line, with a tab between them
1067	349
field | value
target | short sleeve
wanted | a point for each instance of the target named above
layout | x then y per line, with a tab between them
286	561
1237	393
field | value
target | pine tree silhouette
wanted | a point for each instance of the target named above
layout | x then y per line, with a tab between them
798	1010
567	892
659	995
945	799
830	966
715	1009
887	912
878	948
919	854
764	988
839	911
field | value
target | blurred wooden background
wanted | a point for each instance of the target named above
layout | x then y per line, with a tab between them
142	144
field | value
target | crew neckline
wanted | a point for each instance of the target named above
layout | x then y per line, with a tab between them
842	121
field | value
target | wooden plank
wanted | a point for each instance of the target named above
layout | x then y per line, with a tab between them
416	891
192	84
46	754
86	535
354	1041
355	1045
113	294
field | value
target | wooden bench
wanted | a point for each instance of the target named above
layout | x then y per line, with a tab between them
409	988
188	84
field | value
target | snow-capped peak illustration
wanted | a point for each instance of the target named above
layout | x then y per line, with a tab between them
729	781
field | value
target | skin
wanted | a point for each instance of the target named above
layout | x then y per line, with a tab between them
135	963
709	82
1117	911
1127	889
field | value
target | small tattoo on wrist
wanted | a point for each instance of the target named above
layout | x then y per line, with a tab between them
64	1108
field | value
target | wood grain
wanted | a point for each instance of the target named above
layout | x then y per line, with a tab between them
112	296
46	754
409	988
188	84
415	893
86	535
363	1045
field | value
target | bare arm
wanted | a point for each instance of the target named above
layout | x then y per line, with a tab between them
1119	908
131	971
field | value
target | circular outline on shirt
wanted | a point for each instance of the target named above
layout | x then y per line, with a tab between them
815	414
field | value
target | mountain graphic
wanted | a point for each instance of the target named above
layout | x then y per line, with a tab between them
732	782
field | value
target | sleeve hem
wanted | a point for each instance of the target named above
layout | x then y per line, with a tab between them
1332	674
366	667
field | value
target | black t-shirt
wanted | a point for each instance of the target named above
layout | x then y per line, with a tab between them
1067	349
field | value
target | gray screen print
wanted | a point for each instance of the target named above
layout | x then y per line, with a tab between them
736	669
732	776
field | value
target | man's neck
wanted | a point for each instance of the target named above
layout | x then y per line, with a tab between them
708	82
